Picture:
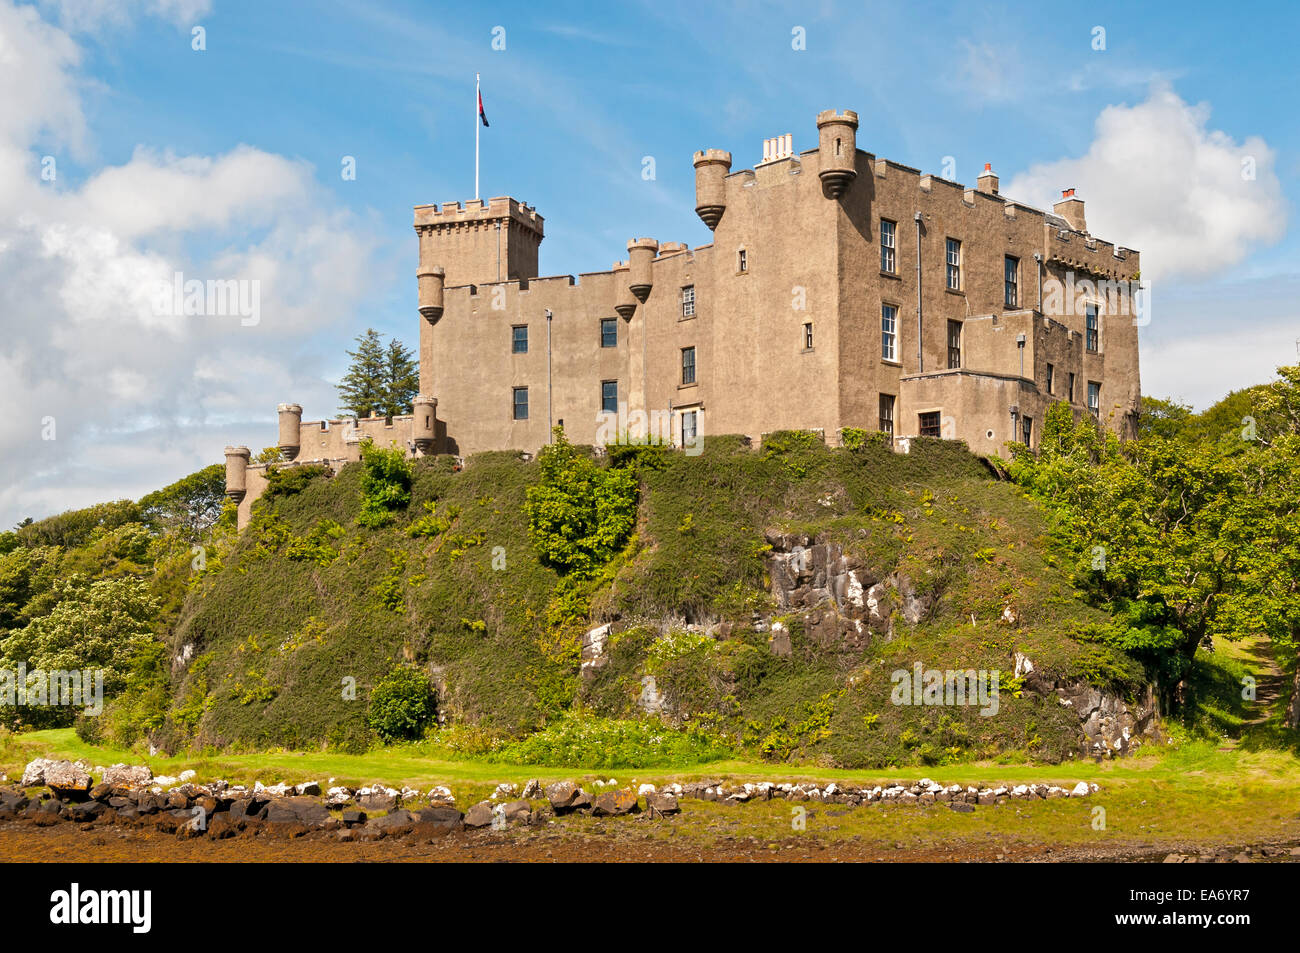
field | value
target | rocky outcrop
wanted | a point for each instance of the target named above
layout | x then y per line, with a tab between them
1109	724
842	602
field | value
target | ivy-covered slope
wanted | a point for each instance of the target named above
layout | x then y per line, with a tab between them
287	634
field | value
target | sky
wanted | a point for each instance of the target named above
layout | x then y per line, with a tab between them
282	146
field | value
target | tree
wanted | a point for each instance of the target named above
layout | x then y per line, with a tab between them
1164	418
361	392
380	380
401	380
190	506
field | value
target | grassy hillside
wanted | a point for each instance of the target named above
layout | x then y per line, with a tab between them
305	600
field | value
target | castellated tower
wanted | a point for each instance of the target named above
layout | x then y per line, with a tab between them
478	243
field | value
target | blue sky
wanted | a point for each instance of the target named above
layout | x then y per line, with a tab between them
227	161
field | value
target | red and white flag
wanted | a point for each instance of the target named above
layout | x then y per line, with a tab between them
481	114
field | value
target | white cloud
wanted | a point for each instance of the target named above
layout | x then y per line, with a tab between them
140	397
1157	179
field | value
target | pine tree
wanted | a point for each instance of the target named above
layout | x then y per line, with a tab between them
362	390
401	380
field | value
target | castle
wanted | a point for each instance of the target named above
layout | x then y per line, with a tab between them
840	291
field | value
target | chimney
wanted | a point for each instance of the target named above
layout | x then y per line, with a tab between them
1071	209
777	148
988	181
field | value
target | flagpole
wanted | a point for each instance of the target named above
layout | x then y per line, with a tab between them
476	110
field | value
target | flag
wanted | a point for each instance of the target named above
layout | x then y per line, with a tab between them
481	114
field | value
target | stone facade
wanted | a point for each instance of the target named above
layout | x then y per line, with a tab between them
783	311
840	291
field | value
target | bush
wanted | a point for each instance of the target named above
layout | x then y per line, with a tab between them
580	514
385	484
286	481
402	705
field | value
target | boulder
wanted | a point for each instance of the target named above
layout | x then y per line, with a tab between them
505	790
351	818
308	789
520	812
440	817
565	796
1080	790
533	789
34	773
658	803
615	804
480	815
67	780
393	822
128	775
309	812
377	798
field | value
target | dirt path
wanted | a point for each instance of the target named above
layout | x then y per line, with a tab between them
1268	689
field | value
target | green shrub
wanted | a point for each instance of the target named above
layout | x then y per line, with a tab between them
583	742
402	705
580	514
286	481
385	484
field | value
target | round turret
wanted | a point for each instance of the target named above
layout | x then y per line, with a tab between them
431	280
425	426
837	146
640	259
624	300
711	169
237	472
290	430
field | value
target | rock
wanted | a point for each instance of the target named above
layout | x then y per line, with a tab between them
961	807
518	812
564	796
505	790
480	815
308	789
392	822
86	810
1175	859
187	775
661	803
440	818
645	789
593	649
67	780
615	804
351	818
533	789
442	794
1080	790
34	773
297	810
127	775
338	797
377	798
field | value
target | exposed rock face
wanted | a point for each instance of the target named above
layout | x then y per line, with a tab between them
128	775
650	699
1110	725
842	602
593	648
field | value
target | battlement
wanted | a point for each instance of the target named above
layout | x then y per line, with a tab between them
476	210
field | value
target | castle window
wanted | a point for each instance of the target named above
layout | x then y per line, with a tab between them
521	403
689	425
1027	429
930	424
688	365
954	264
887	247
519	339
954	345
1071	395
1094	398
688	301
1051	378
887	414
742	263
888	332
609	396
839	148
1094	333
807	336
609	332
1011	281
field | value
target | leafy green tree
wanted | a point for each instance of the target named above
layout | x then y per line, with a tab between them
580	514
361	392
401	380
190	506
94	625
1163	418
